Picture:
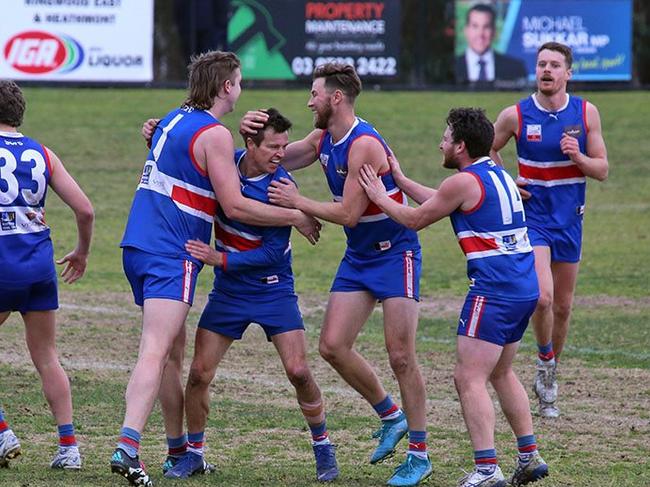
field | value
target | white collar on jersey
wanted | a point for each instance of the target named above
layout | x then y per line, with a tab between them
254	178
482	159
345	137
538	105
14	135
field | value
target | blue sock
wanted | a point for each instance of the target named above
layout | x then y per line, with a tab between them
418	444
129	441
527	445
195	442
486	460
545	352
319	435
387	409
66	435
177	447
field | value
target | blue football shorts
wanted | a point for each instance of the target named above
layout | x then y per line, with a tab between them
565	243
229	314
495	320
37	296
157	276
390	275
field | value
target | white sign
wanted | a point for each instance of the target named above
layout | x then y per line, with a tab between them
77	40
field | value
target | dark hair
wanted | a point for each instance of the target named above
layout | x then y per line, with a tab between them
472	127
561	48
12	104
486	9
340	76
276	121
208	71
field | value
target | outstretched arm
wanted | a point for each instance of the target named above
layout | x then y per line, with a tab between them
594	163
458	191
414	190
67	188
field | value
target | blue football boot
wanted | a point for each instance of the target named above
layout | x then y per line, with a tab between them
389	435
413	471
326	467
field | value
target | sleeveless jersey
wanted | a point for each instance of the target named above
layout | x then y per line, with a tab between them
493	236
556	184
375	232
257	259
174	201
26	253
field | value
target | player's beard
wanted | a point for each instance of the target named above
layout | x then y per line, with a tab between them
322	117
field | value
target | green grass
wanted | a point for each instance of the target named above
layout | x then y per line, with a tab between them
256	435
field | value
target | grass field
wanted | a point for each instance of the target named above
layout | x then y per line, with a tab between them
256	434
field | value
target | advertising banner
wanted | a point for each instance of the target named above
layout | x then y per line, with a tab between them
288	39
77	40
598	31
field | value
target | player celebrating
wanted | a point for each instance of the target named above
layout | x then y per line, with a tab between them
175	201
252	265
488	218
559	144
382	262
28	282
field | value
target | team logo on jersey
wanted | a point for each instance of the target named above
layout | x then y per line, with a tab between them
7	220
573	130
534	133
38	52
510	242
324	158
146	172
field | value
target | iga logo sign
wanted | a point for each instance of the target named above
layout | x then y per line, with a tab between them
38	52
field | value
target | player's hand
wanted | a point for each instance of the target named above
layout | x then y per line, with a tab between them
521	184
569	146
148	128
309	227
205	253
283	192
252	121
371	183
395	167
75	266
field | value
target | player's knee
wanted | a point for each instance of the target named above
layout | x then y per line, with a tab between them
298	374
399	361
545	301
329	351
562	311
199	376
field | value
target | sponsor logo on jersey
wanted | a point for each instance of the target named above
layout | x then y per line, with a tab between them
7	220
342	171
38	52
510	242
573	130
12	142
534	133
146	172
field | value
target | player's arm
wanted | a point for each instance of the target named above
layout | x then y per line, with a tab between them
299	154
505	127
148	129
458	191
414	190
72	195
215	147
354	202
594	163
274	246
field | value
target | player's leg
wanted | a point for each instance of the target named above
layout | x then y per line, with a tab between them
40	336
545	386
346	314
565	275
209	350
475	361
514	403
171	402
9	444
292	348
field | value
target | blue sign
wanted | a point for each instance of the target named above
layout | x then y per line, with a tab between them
598	31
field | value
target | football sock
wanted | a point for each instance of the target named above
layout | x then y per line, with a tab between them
485	461
195	442
176	447
527	446
545	352
387	409
129	441
3	423
418	444
319	434
66	435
